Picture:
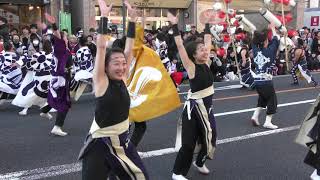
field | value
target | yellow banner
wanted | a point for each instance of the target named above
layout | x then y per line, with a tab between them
151	89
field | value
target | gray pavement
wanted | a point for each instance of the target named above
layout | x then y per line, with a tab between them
28	151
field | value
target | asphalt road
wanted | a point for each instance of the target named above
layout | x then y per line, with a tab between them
28	151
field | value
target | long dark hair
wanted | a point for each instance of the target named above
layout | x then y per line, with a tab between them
300	43
47	46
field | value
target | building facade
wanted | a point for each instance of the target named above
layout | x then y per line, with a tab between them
192	12
85	13
20	13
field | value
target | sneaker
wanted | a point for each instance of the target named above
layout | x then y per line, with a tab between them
270	126
315	176
295	84
56	130
178	177
203	169
255	122
46	115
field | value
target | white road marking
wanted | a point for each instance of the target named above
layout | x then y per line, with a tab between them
252	109
161	152
274	77
76	167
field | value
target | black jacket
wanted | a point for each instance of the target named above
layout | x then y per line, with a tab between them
4	32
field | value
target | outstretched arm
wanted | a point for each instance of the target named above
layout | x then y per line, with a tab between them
100	79
55	28
208	41
187	63
130	37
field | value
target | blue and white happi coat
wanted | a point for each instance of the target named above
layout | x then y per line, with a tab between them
83	68
11	74
83	64
34	88
264	59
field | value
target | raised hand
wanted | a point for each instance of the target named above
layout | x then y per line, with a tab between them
172	19
104	9
50	18
132	12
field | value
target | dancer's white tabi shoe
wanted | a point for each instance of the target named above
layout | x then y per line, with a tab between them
314	175
2	101
203	169
178	177
23	112
269	125
56	130
46	115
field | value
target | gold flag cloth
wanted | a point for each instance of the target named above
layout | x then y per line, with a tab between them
151	89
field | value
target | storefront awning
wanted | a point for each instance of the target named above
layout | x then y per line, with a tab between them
155	3
38	2
252	5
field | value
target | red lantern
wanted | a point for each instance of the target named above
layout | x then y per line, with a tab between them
236	23
240	36
227	1
232	15
276	1
292	33
280	18
286	2
221	14
221	52
270	34
288	17
224	24
226	38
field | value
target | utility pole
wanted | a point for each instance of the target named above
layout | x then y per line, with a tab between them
61	5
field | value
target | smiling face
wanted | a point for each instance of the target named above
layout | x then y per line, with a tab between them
116	66
201	55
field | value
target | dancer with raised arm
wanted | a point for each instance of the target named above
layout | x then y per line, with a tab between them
107	148
264	53
198	122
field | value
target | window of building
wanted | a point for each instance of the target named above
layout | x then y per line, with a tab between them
21	15
307	3
152	12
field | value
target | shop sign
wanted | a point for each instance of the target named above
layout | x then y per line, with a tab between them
154	3
146	3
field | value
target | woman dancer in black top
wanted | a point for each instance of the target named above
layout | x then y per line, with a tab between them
107	149
198	123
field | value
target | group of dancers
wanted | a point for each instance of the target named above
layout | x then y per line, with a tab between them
44	74
54	73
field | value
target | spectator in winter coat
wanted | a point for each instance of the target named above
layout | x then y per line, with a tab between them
4	29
